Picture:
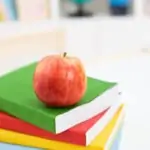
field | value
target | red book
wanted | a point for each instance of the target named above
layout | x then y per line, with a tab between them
81	134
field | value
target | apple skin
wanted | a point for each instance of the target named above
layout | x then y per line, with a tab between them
59	81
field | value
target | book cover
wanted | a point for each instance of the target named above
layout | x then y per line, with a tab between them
30	10
81	134
17	98
116	144
102	141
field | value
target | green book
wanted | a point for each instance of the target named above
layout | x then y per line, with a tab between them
17	98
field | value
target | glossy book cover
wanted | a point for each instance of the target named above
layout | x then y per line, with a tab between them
102	141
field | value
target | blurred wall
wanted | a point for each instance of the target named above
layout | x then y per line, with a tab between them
19	50
92	39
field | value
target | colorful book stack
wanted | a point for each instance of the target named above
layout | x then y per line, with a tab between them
24	10
10	7
94	123
7	10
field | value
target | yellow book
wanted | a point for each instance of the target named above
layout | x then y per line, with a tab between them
101	142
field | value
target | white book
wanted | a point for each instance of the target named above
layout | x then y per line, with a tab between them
101	123
100	95
86	111
119	125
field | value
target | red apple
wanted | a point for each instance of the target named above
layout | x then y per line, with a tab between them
59	81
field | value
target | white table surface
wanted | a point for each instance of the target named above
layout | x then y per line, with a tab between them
133	76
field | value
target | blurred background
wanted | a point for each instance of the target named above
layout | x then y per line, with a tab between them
86	28
97	8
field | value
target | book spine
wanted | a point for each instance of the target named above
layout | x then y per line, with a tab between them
3	13
10	9
32	10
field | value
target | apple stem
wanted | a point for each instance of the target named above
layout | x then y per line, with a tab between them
64	54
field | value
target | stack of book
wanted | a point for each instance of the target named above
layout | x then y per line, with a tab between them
95	123
7	10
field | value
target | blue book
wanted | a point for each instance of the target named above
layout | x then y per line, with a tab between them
116	144
4	146
11	10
